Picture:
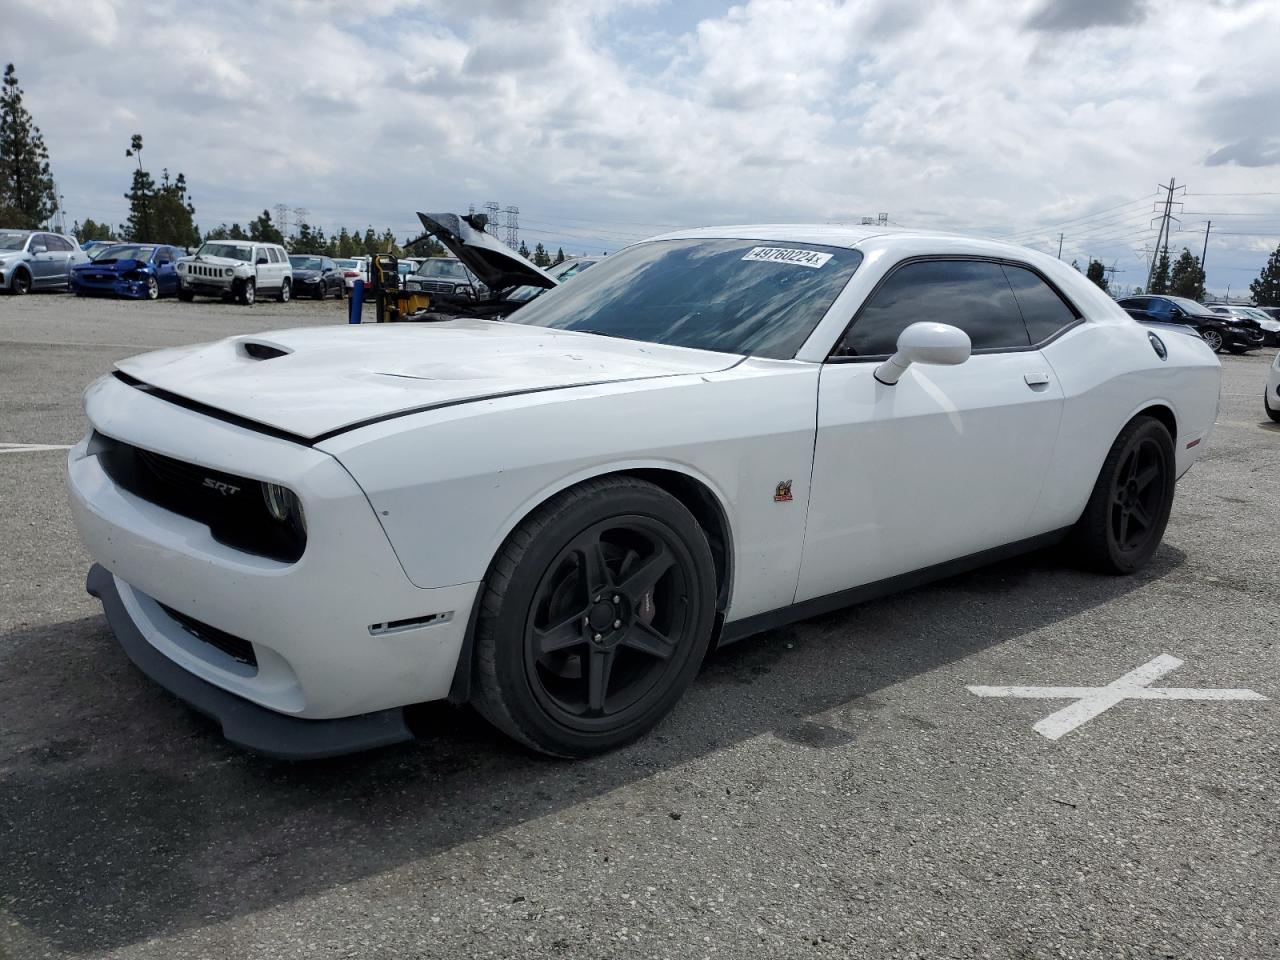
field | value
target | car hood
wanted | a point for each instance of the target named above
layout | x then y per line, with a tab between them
215	261
110	266
318	381
305	274
496	264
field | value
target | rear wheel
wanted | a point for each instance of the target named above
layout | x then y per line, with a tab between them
1125	518
286	290
594	619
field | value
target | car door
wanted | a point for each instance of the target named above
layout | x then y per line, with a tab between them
947	462
42	261
165	260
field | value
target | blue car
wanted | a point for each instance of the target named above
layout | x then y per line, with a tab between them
136	270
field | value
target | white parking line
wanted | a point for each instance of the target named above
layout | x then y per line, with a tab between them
32	447
1092	701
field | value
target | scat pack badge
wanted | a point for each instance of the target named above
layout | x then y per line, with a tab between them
782	493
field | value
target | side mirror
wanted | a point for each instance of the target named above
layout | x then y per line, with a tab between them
925	342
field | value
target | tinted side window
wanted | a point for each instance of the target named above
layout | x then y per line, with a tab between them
1043	311
970	294
1159	308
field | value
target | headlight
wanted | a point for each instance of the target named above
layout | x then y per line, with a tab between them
227	272
283	504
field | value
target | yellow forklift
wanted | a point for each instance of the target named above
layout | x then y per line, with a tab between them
392	302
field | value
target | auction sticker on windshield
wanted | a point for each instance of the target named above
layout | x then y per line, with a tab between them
802	258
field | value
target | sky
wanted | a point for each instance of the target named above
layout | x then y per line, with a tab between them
607	121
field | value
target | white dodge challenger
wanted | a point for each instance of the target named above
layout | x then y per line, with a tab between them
556	515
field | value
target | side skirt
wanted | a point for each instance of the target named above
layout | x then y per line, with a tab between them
772	619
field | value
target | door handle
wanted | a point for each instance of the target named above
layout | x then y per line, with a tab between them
1037	379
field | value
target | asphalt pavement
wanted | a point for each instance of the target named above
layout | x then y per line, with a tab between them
832	789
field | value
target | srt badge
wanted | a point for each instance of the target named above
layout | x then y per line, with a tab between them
783	492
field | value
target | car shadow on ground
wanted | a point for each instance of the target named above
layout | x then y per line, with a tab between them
124	816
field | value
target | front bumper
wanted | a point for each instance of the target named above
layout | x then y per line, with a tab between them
115	286
339	633
243	723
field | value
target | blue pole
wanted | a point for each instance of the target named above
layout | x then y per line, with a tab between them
355	302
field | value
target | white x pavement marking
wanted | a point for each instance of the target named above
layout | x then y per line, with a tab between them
1091	701
32	447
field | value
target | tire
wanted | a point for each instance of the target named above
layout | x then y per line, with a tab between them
1236	349
1213	338
20	285
1128	510
1272	412
286	290
320	291
186	296
594	618
248	294
153	288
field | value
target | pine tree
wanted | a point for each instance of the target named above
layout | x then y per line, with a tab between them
540	256
559	256
174	213
370	242
1097	272
262	229
1266	289
1187	278
237	233
90	230
346	246
309	240
1160	278
524	249
27	194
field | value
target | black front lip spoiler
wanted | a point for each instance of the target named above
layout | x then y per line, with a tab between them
244	723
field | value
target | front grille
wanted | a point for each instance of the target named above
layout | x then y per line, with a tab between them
232	646
203	270
435	286
232	507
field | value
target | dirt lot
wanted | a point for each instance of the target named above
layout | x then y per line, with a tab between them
831	789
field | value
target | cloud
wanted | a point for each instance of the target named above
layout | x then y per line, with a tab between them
1056	16
606	120
1249	152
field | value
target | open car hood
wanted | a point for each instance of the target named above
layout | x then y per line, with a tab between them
318	381
496	264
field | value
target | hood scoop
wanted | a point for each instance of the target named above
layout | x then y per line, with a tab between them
261	349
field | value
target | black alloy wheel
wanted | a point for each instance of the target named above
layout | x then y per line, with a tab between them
1129	508
595	618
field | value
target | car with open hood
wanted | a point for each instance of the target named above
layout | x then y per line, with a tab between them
241	270
139	271
37	260
500	280
555	515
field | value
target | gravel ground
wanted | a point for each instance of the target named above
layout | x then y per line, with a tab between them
826	790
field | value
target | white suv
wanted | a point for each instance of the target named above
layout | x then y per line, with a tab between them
236	268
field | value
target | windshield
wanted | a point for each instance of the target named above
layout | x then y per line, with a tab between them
121	251
13	241
441	267
733	296
231	251
305	263
568	268
1191	307
348	264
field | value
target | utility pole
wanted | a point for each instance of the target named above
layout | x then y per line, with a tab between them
1162	238
1059	246
1204	252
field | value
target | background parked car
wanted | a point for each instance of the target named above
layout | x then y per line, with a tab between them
89	246
236	268
352	270
36	260
1271	396
137	270
447	275
1269	324
1218	331
317	277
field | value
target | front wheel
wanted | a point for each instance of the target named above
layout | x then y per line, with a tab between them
21	283
153	288
248	293
1272	412
594	618
1214	339
1125	518
186	296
